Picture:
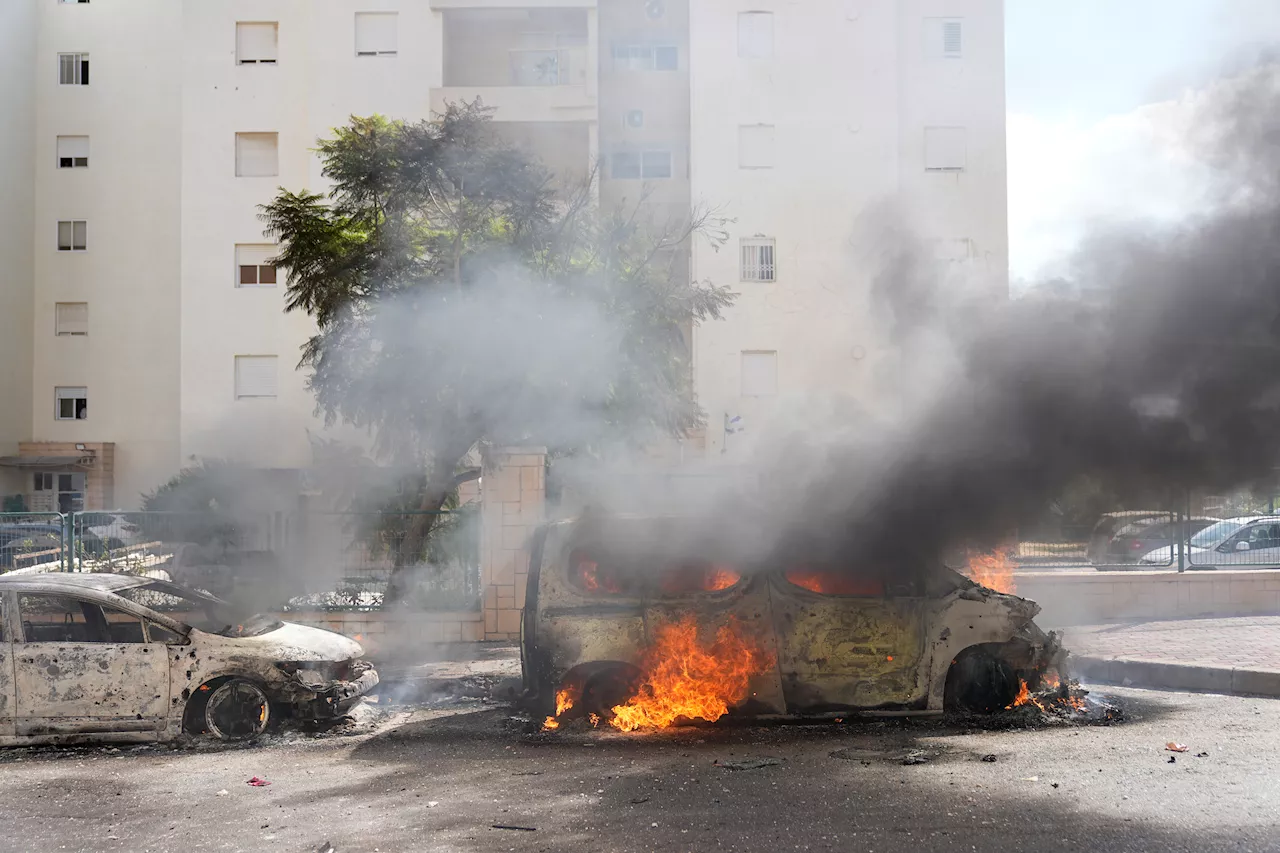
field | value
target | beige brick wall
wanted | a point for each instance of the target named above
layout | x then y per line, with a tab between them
99	485
512	504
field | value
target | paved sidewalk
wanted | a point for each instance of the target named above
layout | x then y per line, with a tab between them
1234	655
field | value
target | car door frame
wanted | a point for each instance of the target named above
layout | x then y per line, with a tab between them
8	693
130	726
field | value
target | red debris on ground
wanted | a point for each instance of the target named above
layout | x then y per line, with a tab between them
258	783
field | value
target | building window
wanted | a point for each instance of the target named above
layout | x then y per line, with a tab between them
253	265
944	38
71	318
71	404
257	155
760	373
72	235
72	2
256	376
755	35
944	149
758	259
376	33
645	57
73	152
73	69
256	43
755	146
631	165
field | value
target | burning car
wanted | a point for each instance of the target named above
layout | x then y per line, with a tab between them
101	657
628	624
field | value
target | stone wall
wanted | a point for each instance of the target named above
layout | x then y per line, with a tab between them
1082	598
512	504
392	635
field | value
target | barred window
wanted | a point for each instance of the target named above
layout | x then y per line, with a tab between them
758	259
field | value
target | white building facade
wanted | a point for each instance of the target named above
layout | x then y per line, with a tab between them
141	325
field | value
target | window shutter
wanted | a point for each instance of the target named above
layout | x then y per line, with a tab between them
253	264
71	318
256	376
951	44
256	154
945	149
256	42
375	33
755	35
759	374
73	151
755	146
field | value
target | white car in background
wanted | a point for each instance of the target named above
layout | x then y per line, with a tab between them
1245	542
114	528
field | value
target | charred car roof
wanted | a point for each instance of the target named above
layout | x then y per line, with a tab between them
70	581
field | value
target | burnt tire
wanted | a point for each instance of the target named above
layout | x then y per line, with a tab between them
980	682
237	709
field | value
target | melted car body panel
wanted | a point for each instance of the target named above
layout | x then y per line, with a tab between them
72	692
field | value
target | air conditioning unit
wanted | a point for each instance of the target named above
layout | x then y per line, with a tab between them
635	118
655	8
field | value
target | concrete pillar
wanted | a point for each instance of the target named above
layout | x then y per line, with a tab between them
512	504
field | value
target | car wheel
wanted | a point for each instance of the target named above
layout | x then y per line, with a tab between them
236	710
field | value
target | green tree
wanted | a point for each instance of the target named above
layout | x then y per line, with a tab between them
459	298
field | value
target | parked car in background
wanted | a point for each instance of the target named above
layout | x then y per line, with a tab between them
45	540
1134	540
138	659
1098	549
1245	542
114	528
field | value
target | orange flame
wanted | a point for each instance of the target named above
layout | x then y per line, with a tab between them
684	678
993	570
564	701
829	582
698	576
1052	681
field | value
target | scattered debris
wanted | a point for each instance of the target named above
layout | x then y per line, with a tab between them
1175	747
989	758
326	848
746	763
431	804
1053	784
635	801
516	828
915	757
224	792
1030	779
258	783
1202	755
1173	759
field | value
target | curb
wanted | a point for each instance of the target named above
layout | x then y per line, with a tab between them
1126	672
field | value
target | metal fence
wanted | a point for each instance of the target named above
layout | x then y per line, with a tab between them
299	560
1154	541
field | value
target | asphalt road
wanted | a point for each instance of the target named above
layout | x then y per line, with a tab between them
440	779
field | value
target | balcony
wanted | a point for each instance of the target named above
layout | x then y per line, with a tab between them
535	65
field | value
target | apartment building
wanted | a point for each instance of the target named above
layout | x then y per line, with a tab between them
142	325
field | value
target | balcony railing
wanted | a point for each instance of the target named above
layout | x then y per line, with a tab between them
554	67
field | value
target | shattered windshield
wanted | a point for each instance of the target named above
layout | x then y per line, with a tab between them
199	610
1215	533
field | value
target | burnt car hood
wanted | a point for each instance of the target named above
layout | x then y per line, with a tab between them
289	642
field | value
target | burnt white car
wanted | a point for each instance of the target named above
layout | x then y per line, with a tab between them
843	638
102	657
